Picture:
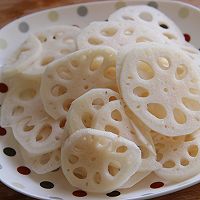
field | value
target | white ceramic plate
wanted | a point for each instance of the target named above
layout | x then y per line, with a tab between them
53	185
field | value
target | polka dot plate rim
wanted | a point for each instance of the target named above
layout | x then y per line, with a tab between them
53	185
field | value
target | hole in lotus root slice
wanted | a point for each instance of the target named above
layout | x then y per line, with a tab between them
194	91
98	103
159	157
169	164
112	98
58	90
163	63
44	133
157	110
45	158
18	110
191	104
63	72
96	63
121	149
62	123
184	162
146	16
129	31
80	172
46	60
75	63
95	41
144	70
193	150
97	178
27	94
141	91
73	159
109	32
181	72
114	168
67	103
143	39
116	115
189	138
144	151
126	17
170	36
42	38
179	116
112	129
27	127
110	73
87	119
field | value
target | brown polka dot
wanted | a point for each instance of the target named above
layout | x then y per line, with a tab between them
79	193
113	194
156	185
3	88
24	170
2	131
187	37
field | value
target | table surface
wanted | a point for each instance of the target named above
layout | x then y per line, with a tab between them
13	9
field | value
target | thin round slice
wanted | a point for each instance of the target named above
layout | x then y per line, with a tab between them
156	86
29	51
150	17
57	41
179	156
84	108
117	34
91	161
112	118
72	76
42	164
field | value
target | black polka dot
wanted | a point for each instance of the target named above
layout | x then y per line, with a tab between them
164	26
47	184
113	194
156	185
23	27
9	151
3	88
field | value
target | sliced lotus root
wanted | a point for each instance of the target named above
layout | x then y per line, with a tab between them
40	137
84	108
99	161
26	54
72	76
112	118
57	42
22	100
136	178
179	156
150	17
117	34
44	163
159	88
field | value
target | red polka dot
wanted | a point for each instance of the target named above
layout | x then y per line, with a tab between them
3	88
79	193
24	170
187	37
156	185
2	131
